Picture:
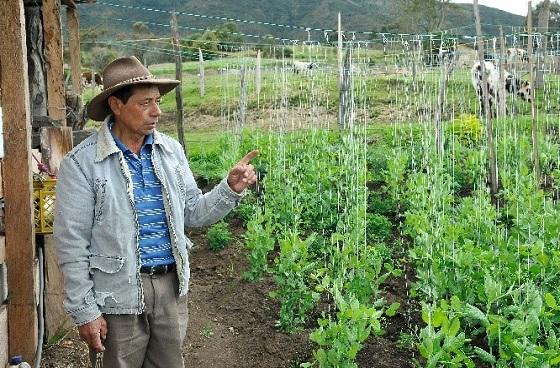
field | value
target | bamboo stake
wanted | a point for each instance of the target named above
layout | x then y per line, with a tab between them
534	122
489	128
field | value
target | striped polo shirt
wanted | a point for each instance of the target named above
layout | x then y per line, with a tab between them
155	241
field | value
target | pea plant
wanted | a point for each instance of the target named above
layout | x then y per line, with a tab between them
485	271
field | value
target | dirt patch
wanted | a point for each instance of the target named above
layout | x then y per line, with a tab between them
231	321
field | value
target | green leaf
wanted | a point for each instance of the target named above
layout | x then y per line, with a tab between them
555	360
550	301
474	313
392	310
454	327
484	355
439	318
455	303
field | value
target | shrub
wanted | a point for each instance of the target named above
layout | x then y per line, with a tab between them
378	227
219	236
467	129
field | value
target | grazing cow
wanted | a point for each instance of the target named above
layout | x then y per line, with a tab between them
514	55
87	79
301	66
511	83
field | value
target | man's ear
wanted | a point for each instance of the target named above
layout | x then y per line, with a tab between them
115	105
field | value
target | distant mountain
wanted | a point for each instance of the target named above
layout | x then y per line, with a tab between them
118	16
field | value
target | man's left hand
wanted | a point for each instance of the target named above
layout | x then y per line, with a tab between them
243	173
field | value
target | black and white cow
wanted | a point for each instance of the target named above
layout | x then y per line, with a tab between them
511	83
516	55
303	67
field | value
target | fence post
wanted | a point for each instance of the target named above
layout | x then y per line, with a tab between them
258	74
242	99
502	92
534	133
179	77
486	108
201	72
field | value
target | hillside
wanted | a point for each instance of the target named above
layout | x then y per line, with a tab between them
357	15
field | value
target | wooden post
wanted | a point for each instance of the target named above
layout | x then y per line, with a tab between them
74	48
544	16
534	130
36	61
55	143
446	68
201	72
502	92
339	52
258	76
489	128
345	119
179	77
242	98
56	105
20	238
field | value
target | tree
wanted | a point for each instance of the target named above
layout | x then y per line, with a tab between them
422	15
100	57
554	17
89	37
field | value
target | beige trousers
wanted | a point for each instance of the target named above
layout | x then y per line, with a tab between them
153	339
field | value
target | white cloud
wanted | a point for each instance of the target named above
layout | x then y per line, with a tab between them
513	6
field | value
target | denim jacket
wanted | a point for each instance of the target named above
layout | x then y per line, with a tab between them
96	226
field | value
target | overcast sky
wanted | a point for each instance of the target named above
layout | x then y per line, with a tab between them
512	6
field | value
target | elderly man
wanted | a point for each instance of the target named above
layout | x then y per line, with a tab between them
124	198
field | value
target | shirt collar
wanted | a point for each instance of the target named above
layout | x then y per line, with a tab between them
107	145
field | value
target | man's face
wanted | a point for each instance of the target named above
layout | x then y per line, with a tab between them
139	115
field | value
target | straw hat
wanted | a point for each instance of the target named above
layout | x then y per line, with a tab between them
123	72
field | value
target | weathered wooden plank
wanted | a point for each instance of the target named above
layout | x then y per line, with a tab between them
3	334
2	249
1	181
55	143
74	48
77	137
20	240
37	81
56	105
69	3
56	318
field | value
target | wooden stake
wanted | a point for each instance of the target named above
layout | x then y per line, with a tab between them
201	72
339	52
534	122
242	99
489	128
446	68
258	73
502	92
179	77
